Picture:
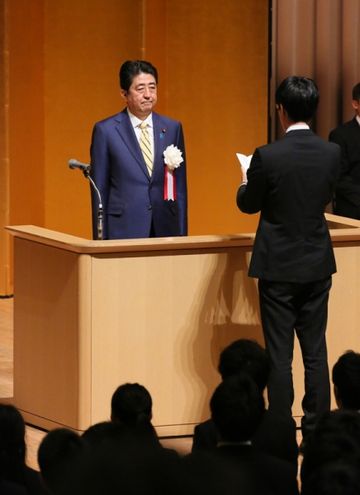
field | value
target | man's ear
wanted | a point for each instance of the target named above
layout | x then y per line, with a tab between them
355	105
123	93
282	117
337	397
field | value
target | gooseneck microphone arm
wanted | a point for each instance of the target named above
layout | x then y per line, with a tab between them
100	208
85	168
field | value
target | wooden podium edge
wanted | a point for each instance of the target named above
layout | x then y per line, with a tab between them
341	230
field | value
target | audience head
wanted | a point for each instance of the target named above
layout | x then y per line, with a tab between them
298	98
57	453
131	404
346	380
116	461
245	356
132	68
237	407
120	434
335	478
336	438
12	442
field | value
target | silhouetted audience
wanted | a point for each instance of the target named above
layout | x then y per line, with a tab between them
346	380
237	408
275	435
116	460
57	453
335	441
335	478
243	449
131	405
9	488
14	473
101	432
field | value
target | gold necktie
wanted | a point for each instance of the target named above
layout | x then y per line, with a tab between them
145	146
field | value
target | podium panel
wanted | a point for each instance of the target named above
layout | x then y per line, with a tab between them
90	315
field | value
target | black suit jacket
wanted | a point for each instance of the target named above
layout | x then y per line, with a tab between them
236	469
275	436
291	181
265	474
347	136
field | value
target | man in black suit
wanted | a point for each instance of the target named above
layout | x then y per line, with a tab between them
347	194
290	182
237	407
275	435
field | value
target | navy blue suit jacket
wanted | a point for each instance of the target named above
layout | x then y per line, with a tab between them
133	202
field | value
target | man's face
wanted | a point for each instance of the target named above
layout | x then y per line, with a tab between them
141	96
356	106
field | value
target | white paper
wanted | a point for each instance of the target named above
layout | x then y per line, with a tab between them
244	160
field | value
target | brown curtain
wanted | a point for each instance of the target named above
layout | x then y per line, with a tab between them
318	39
4	155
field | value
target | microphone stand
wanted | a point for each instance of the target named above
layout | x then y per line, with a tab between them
100	206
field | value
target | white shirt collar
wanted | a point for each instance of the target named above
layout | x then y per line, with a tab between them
135	121
358	119
297	127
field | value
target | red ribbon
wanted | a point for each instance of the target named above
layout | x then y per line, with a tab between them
169	185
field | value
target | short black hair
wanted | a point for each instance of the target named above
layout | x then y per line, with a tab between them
336	438
131	404
237	407
346	378
245	356
12	436
299	97
337	478
56	454
356	92
132	68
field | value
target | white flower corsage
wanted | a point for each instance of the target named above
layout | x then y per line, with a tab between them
173	157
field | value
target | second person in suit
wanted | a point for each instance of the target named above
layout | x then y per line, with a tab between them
347	136
290	182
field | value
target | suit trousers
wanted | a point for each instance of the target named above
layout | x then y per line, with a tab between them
288	308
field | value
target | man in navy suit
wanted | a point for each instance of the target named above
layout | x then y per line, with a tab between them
139	199
290	182
347	136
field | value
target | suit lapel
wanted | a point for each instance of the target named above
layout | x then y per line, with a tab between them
159	135
127	134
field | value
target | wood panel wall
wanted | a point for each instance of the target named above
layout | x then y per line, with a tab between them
61	60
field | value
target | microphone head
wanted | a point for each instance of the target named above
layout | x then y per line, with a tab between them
72	163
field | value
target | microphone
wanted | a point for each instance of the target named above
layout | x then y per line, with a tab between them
84	167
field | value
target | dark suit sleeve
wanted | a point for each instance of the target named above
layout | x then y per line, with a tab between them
250	197
336	137
205	437
181	184
346	187
100	173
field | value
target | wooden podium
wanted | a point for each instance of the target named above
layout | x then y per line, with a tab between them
90	315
